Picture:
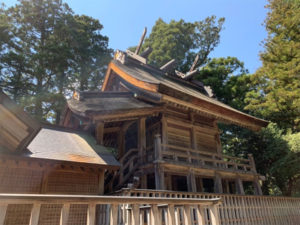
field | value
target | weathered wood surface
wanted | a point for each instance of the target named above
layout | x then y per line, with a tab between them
121	209
237	209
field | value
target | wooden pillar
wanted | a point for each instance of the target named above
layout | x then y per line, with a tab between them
191	182
168	180
159	177
142	137
99	132
101	182
157	148
218	184
257	187
164	128
121	143
239	186
144	181
159	173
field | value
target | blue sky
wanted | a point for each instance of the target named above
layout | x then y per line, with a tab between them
124	21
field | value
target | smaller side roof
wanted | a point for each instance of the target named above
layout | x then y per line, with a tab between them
85	103
17	128
56	143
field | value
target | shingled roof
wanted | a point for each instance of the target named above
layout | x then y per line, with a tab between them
177	91
85	103
60	144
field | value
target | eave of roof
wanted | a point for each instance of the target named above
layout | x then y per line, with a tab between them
144	75
109	104
17	127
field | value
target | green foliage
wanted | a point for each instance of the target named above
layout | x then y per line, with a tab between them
228	79
49	52
276	95
182	40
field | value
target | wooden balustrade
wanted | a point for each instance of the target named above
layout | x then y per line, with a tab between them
64	209
237	209
171	153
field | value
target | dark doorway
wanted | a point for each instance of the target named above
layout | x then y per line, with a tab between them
208	185
150	181
179	183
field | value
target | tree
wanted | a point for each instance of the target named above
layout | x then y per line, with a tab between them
50	52
277	83
228	79
182	40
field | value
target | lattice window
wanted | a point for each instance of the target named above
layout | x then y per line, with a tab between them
50	214
18	214
20	180
72	183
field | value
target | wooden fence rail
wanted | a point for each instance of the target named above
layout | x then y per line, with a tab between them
32	209
238	209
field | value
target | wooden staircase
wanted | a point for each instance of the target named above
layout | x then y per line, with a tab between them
128	171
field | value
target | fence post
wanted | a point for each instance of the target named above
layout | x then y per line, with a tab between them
214	215
200	211
113	216
91	214
171	215
64	214
187	216
3	208
35	214
135	214
154	215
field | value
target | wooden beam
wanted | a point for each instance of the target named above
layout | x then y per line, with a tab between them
169	66
194	63
99	132
146	53
138	48
136	57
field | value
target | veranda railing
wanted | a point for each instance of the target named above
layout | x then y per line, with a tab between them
32	209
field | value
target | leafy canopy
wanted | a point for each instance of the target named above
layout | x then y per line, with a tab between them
182	40
276	95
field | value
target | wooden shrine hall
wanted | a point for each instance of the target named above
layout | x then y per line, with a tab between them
143	150
163	127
